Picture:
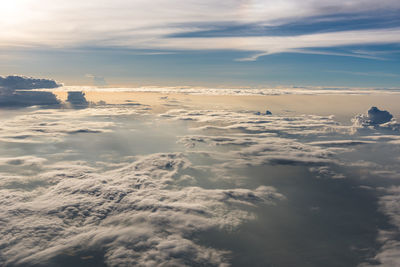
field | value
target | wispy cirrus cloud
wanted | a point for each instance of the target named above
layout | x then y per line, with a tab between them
159	24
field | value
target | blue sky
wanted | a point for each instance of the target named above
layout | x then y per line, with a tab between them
353	43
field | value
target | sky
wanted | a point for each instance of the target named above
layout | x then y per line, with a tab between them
231	43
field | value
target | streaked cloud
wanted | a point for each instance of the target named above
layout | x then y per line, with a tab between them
153	24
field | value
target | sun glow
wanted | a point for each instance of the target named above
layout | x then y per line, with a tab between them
12	11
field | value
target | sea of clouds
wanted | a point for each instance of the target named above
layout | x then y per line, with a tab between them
147	208
233	91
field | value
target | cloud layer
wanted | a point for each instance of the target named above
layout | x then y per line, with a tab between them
306	90
154	24
147	209
136	215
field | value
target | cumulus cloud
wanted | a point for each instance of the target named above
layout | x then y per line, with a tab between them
259	140
136	214
228	122
314	141
13	92
145	210
27	98
23	82
77	100
375	119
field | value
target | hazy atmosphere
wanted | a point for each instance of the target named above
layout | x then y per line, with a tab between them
199	133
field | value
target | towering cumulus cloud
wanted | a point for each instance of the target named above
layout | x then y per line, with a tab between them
13	92
77	100
375	119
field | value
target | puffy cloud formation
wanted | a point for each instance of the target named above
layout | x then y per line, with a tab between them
314	141
27	98
22	82
228	122
375	119
377	116
10	97
256	140
77	100
145	209
136	215
14	93
53	125
143	212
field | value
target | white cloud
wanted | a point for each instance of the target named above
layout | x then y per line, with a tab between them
137	214
259	140
44	126
375	119
307	90
389	254
278	44
145	209
145	24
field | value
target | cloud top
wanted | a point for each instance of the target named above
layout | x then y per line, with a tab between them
77	100
145	209
375	119
136	215
377	116
14	82
14	92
